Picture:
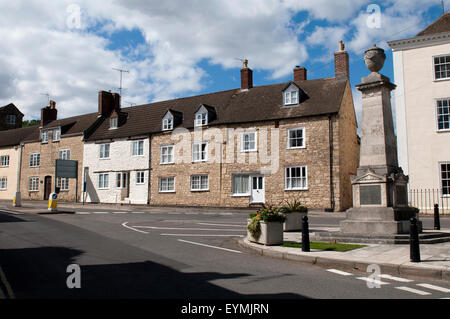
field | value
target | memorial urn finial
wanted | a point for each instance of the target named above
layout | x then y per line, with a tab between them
374	58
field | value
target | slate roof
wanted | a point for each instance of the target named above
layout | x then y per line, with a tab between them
440	25
10	107
16	136
75	125
260	103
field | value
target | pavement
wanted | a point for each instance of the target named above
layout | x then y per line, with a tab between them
391	259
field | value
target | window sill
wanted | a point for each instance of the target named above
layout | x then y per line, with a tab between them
441	80
240	195
443	131
296	148
104	158
296	189
172	163
199	190
166	192
249	151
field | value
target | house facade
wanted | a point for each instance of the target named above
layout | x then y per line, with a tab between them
54	140
10	157
10	117
235	148
422	100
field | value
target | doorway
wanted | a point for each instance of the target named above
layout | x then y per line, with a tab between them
258	193
47	187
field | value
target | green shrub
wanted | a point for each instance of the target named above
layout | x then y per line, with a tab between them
294	205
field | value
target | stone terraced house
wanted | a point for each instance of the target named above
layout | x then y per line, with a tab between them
54	139
234	148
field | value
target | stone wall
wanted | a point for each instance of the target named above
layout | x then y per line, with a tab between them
49	152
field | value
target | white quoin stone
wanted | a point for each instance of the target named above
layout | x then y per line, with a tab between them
121	159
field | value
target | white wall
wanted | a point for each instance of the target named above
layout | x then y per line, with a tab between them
425	146
121	159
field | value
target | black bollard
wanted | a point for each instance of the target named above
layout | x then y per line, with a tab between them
414	241
305	234
437	222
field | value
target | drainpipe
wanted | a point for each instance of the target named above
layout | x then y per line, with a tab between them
330	130
17	201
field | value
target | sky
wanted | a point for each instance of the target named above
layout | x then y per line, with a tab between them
67	50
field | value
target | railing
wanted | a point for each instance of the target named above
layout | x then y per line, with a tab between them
425	199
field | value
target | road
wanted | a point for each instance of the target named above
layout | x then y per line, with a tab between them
168	255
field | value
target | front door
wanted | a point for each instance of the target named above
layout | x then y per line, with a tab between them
47	187
257	189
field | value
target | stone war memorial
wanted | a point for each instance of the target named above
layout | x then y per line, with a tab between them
380	212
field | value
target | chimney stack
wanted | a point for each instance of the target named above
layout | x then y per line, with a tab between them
49	113
107	103
299	74
341	62
246	77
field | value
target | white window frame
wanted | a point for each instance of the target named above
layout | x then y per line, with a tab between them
62	183
56	134
136	149
35	160
165	181
200	183
167	124
64	154
113	123
10	119
4	161
44	136
140	178
288	138
436	108
201	119
3	183
288	184
102	151
199	155
434	67
233	181
169	154
441	180
33	184
121	180
103	183
243	134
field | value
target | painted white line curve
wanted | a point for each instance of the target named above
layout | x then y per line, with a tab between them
209	246
136	230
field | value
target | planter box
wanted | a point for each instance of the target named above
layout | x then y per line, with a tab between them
294	221
271	234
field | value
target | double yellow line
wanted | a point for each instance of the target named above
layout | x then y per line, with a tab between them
8	294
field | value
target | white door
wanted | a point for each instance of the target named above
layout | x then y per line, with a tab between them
257	189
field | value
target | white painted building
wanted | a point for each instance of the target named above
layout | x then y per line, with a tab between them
422	100
117	171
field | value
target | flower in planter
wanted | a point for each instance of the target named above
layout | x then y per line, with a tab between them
268	214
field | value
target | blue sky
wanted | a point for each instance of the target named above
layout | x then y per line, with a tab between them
182	48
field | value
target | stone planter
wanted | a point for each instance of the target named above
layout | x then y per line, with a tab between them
293	221
271	234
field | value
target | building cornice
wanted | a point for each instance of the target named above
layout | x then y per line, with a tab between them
420	41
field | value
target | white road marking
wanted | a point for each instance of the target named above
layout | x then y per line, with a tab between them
343	273
433	287
137	212
191	213
227	225
175	228
6	283
386	276
204	245
174	213
120	212
226	214
82	213
129	227
414	291
199	235
373	281
100	213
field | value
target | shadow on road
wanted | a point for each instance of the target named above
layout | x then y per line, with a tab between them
40	273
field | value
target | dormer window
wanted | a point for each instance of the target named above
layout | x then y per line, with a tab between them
291	95
44	136
167	123
56	134
113	123
201	119
10	119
